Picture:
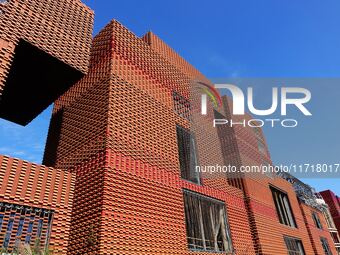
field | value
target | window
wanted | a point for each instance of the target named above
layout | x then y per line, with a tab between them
21	224
335	236
283	208
30	227
260	144
1	218
316	220
8	233
206	224
28	239
294	246
328	218
40	224
325	246
187	155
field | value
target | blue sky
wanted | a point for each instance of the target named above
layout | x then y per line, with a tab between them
224	38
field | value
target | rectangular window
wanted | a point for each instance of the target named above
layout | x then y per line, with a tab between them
335	237
28	239
8	233
21	224
294	246
187	151
316	220
283	208
325	246
30	227
26	222
1	218
206	223
328	217
40	225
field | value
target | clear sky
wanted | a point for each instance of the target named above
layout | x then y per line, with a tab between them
225	38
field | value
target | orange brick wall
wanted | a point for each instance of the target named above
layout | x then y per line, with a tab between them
266	228
29	184
116	129
123	108
113	134
314	233
61	28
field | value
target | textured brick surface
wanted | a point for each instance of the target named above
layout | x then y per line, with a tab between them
315	233
113	134
120	125
116	129
60	29
37	186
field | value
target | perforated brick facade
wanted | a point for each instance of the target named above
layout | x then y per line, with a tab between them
120	123
43	44
39	195
113	135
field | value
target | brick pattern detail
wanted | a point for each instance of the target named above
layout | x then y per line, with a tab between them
27	222
60	28
115	129
137	208
122	114
315	233
113	134
28	184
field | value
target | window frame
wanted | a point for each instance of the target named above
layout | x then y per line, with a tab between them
289	242
185	152
316	220
204	220
327	249
283	207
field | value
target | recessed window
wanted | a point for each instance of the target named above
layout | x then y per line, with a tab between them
316	220
283	208
325	246
328	218
335	237
40	225
187	151
294	246
8	233
1	218
206	224
19	223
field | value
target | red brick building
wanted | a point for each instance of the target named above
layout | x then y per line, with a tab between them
118	175
35	203
126	122
333	202
44	50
